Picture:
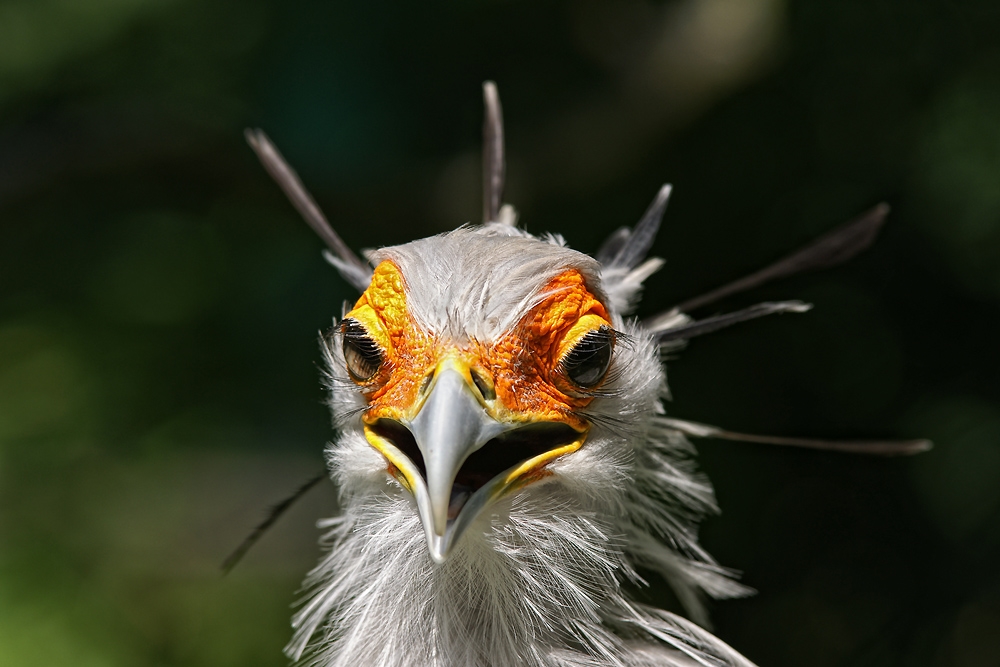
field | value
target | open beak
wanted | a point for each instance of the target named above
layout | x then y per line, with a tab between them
455	456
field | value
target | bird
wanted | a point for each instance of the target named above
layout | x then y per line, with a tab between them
506	469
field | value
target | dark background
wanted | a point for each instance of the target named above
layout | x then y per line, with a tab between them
160	300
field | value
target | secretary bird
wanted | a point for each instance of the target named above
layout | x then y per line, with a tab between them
504	462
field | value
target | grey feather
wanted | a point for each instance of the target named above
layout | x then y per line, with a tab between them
640	240
353	270
494	159
623	270
871	447
686	330
830	249
612	245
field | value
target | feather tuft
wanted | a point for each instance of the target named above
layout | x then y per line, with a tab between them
621	256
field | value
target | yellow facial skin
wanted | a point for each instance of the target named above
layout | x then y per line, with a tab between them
517	379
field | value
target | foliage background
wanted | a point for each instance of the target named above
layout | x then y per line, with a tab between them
160	301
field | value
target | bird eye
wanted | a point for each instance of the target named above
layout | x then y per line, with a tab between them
588	361
362	354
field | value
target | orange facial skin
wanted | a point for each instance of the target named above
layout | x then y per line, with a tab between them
409	351
523	367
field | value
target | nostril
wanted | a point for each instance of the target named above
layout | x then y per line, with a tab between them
484	386
425	385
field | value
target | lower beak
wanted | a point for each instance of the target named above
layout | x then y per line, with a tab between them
451	424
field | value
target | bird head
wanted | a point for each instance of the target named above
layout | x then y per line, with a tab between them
481	362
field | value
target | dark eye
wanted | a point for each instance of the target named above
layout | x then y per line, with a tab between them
362	354
589	359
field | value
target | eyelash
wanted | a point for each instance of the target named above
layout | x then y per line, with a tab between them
362	355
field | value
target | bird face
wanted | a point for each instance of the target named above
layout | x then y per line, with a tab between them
463	415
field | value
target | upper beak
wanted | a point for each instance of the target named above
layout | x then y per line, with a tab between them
451	423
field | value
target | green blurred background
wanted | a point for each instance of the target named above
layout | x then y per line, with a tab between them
160	300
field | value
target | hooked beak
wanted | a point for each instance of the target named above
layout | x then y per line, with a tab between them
453	422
